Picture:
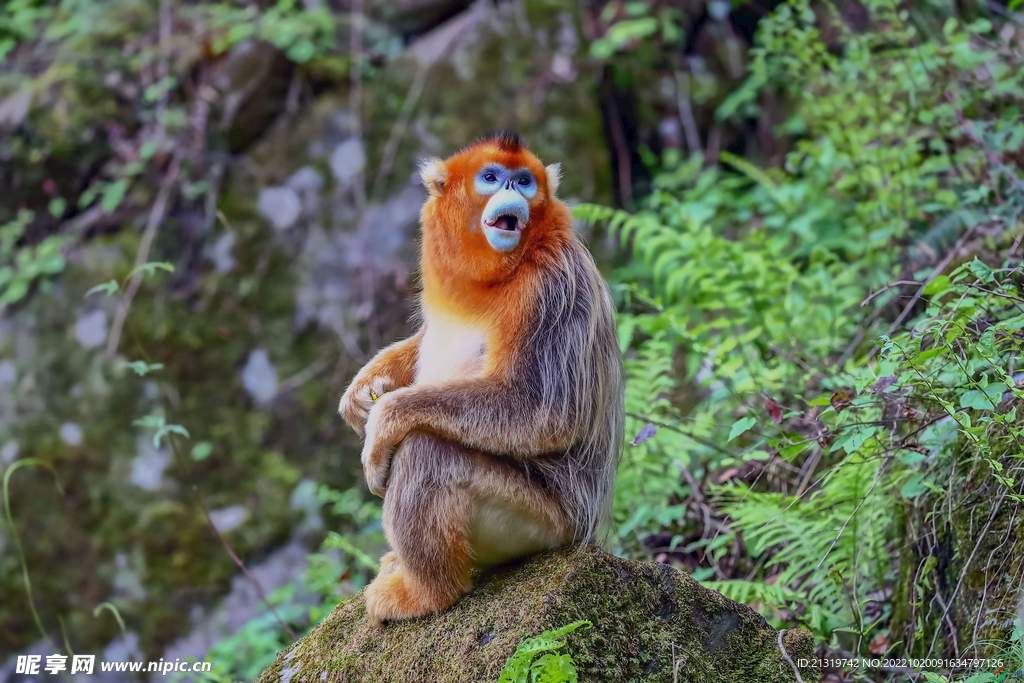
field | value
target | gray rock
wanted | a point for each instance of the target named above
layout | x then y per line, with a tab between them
305	179
259	377
128	577
305	499
307	183
280	206
71	434
335	261
229	518
9	452
220	253
15	108
149	465
8	374
91	329
347	161
242	603
631	606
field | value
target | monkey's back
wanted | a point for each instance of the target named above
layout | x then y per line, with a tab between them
574	364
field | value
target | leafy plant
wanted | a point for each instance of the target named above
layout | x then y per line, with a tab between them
21	266
550	666
788	402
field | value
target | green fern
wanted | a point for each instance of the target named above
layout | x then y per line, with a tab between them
550	667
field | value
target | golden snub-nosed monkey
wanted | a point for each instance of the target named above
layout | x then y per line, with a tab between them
495	431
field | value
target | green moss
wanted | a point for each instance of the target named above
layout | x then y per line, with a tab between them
979	550
641	614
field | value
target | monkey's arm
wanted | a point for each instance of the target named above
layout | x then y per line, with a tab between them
393	367
492	415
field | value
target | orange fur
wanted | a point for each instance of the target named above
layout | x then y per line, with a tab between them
462	275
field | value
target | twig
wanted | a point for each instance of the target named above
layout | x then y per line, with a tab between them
223	542
789	660
984	585
686	113
398	130
688	434
698	495
164	66
917	295
676	663
963	573
809	467
356	96
949	622
241	565
303	376
1001	11
888	287
999	294
878	477
624	165
156	216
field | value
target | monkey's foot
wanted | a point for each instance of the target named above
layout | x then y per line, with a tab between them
395	595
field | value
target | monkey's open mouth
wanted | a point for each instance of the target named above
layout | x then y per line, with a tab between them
506	221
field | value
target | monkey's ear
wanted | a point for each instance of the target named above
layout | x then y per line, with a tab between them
554	173
434	175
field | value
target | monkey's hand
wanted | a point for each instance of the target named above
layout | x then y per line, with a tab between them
385	429
360	397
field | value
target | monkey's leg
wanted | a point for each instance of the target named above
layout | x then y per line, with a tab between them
448	509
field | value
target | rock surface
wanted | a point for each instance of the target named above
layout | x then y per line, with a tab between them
650	623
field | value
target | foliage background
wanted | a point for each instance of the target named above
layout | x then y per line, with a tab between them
809	212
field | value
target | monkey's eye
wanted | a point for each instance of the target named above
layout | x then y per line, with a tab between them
490	177
525	182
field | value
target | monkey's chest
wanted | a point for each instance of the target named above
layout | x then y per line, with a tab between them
450	351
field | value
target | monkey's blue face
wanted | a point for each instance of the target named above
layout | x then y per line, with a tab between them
508	210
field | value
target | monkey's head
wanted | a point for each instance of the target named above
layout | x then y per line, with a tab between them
488	205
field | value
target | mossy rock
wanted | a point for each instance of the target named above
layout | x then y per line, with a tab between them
647	620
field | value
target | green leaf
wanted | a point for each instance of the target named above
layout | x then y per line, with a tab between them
141	368
150	421
201	451
167	430
982	399
518	668
937	286
741	426
914	486
113	195
791	452
107	288
57	207
150	268
981	270
15	291
147	150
